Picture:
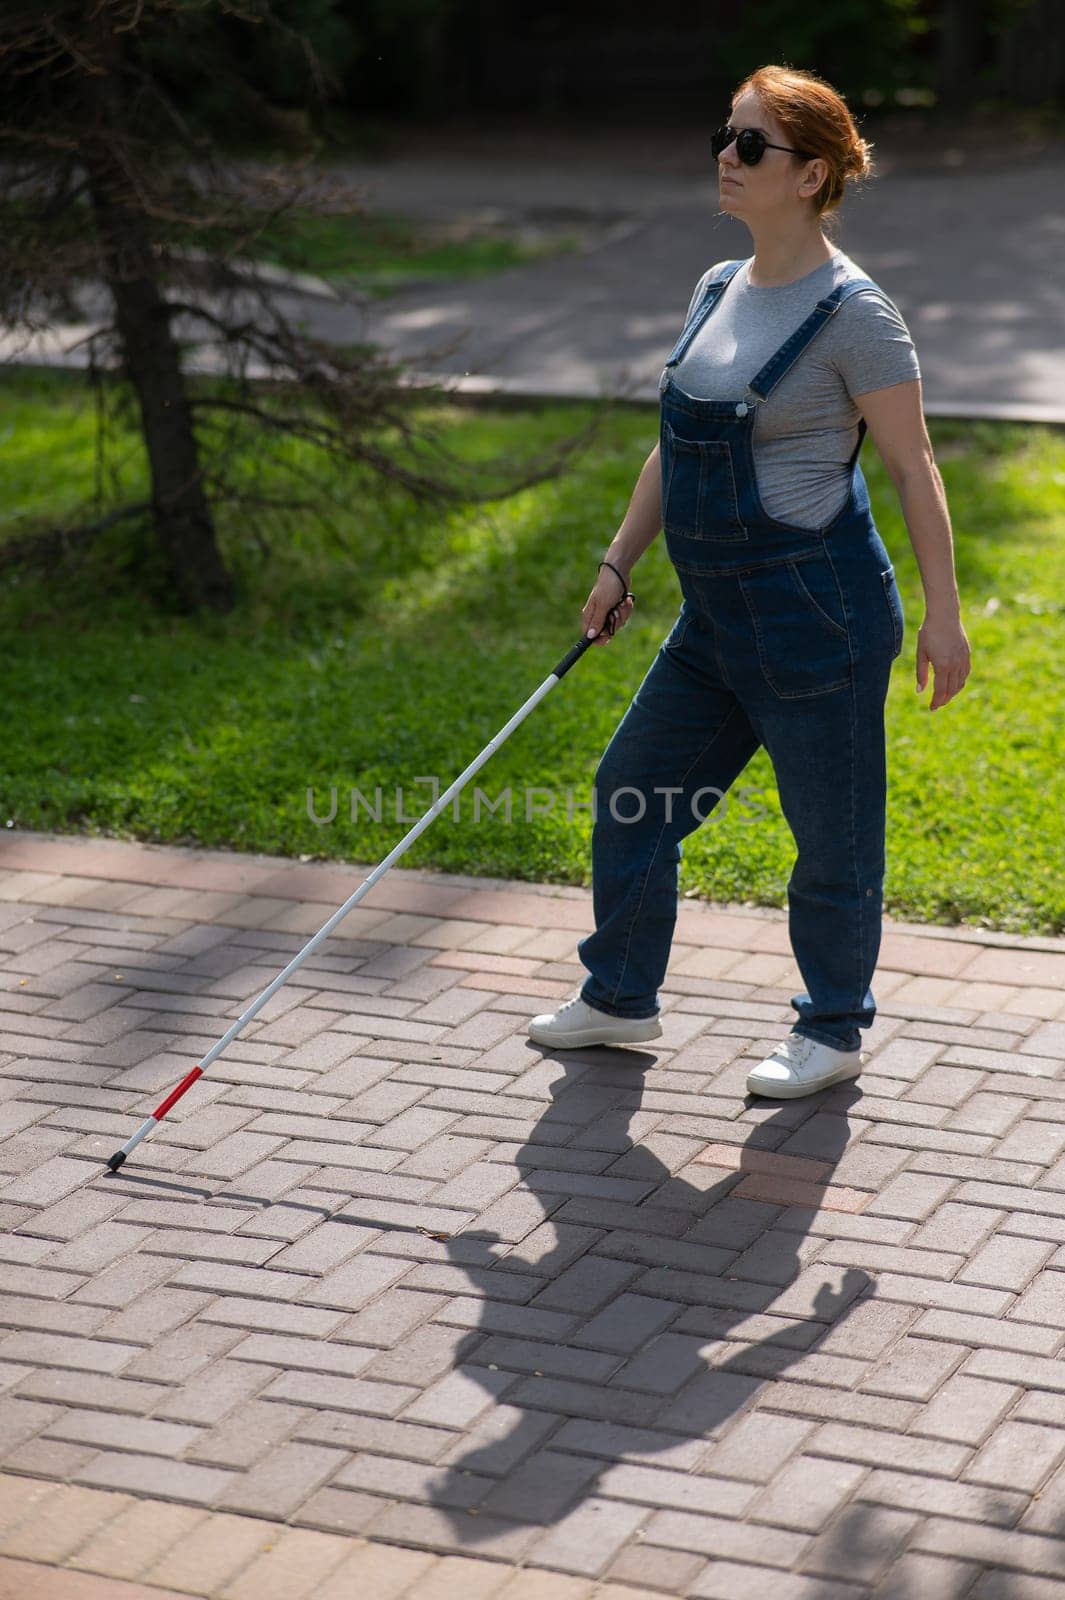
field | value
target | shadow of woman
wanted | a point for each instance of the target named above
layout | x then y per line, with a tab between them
665	1297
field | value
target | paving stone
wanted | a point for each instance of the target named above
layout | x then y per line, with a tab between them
344	1394
351	1286
627	1323
291	1568
382	1571
185	1243
235	1154
167	1480
122	1432
153	1314
935	1496
1027	1338
814	1400
535	1585
58	1350
956	1227
656	1486
21	1498
936	1578
410	1480
915	1368
97	1247
429	1526
45	1282
123	1281
967	1407
1018	1455
30	1581
271	1316
48	1182
458	1399
671	1570
807	1492
55	1525
586	1286
327	1247
491	1316
427	1353
179	1355
387	1320
461	1578
861	1544
138	1537
22	1312
545	1359
504	1437
225	1277
724	1538
292	1322
1042	1301
1007	1262
276	1486
210	1554
178	1214
917	1291
756	1447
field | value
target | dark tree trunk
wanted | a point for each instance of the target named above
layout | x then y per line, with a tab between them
179	505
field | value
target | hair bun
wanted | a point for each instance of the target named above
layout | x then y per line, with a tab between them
860	164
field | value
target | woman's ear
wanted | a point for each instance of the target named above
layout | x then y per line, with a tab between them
813	178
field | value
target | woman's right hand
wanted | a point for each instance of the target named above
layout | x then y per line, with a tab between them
605	597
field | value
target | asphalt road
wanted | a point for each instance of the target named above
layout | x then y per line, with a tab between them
972	258
968	241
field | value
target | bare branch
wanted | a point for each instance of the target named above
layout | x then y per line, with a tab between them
44	548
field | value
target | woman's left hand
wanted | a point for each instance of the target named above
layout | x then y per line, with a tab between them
943	646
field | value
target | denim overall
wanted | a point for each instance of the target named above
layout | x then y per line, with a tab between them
785	637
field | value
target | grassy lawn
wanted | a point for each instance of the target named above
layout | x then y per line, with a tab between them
396	648
372	252
379	252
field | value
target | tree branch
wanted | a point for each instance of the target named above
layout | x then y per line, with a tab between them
50	544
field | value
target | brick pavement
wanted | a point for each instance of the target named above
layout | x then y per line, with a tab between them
396	1303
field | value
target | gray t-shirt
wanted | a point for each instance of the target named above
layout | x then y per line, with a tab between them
805	432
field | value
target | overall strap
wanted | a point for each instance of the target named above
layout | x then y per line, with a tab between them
712	293
766	379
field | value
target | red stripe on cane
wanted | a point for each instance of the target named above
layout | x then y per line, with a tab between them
175	1094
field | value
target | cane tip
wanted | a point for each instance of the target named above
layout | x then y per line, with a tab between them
116	1160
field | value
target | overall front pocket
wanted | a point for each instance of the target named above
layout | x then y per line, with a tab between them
800	626
699	498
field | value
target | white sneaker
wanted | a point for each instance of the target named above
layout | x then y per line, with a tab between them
800	1065
576	1024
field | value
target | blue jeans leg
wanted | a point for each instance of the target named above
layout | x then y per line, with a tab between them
829	757
684	732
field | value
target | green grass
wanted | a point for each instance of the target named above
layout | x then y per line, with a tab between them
399	647
378	252
372	252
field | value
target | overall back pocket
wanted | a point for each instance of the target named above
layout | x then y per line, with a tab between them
894	605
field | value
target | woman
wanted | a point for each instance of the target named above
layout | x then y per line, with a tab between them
791	616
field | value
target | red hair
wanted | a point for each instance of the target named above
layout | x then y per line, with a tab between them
817	119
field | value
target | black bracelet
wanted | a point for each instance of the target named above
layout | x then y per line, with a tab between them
617	574
626	594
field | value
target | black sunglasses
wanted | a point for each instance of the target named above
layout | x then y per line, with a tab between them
751	144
